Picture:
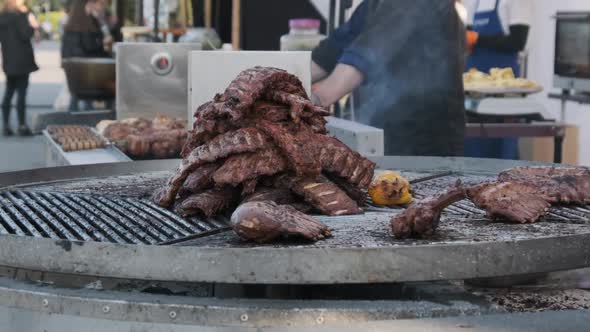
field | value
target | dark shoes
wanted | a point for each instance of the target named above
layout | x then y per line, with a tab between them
24	131
7	131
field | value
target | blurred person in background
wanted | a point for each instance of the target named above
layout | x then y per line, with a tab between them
86	35
406	57
17	27
498	31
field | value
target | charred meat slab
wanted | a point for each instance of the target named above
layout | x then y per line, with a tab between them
557	185
208	203
264	222
263	127
321	193
239	141
199	180
509	200
247	166
421	219
522	195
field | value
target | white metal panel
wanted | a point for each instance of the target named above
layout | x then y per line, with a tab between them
141	90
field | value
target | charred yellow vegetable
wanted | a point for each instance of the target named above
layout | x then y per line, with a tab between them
390	189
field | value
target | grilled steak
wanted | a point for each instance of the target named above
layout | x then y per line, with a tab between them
521	194
239	141
335	157
320	193
357	194
281	196
298	105
267	221
199	180
161	138
513	201
557	185
208	203
422	219
247	166
261	129
297	147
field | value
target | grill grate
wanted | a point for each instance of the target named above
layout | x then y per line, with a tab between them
435	184
79	217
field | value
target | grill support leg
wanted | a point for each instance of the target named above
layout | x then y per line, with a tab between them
558	149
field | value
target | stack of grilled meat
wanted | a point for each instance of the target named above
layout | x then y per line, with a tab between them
262	147
161	138
521	194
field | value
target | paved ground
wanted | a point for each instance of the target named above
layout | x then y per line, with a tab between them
25	153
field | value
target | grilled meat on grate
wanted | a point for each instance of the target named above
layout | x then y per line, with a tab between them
518	202
239	141
266	221
247	166
421	220
208	203
321	193
263	130
521	194
199	180
557	185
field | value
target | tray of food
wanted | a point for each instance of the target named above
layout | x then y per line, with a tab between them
499	81
76	138
159	138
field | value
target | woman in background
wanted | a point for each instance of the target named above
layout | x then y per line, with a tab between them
86	35
17	27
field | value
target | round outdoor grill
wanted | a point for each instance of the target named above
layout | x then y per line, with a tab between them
96	223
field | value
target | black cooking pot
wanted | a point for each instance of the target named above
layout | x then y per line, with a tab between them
91	78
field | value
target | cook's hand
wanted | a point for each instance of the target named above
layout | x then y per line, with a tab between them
314	97
107	42
342	81
472	38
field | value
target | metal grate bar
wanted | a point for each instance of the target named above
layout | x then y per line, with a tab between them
49	219
136	205
10	225
121	220
84	217
161	227
30	220
217	222
19	219
584	210
92	230
103	220
552	213
138	219
571	214
469	207
191	227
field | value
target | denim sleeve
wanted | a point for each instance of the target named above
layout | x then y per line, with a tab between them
330	50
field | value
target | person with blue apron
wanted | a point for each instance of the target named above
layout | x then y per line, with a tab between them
405	58
501	31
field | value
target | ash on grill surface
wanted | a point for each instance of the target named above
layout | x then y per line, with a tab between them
139	185
532	299
460	223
